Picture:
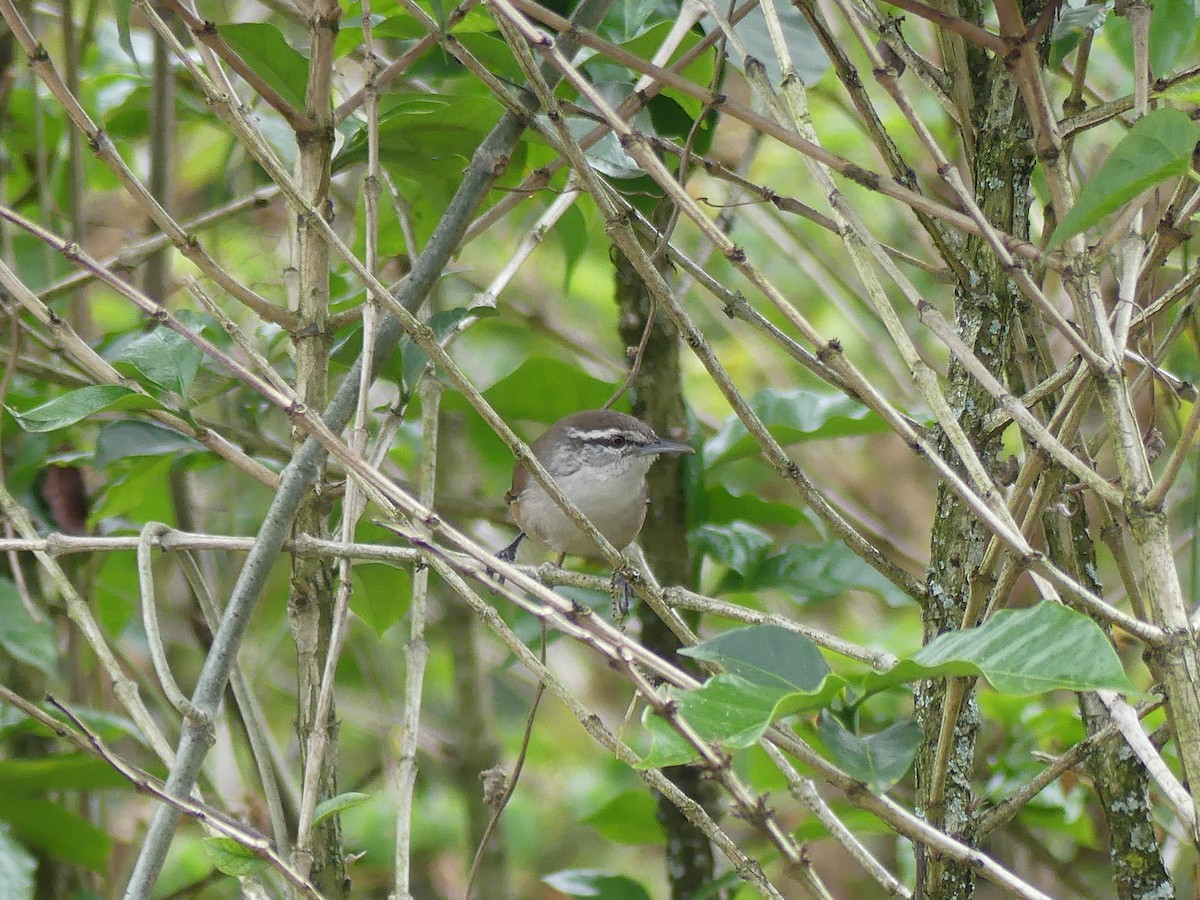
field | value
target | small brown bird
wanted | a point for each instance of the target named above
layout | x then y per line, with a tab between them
600	459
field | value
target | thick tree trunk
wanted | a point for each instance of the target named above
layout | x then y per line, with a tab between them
658	400
985	308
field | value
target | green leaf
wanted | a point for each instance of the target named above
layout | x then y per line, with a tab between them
380	594
878	760
122	11
142	493
81	403
265	50
165	358
859	821
1027	651
738	545
628	818
815	574
337	804
792	417
58	772
771	673
108	726
233	858
1072	26
414	358
50	827
572	233
561	388
766	655
606	156
1172	31
722	505
425	142
596	885
134	438
17	866
26	641
807	56
1158	147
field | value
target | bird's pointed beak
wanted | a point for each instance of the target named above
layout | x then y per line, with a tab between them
663	447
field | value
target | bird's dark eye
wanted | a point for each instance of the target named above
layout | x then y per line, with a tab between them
618	440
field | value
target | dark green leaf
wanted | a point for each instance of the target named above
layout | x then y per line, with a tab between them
337	804
381	594
81	403
738	545
628	818
859	821
1158	147
561	388
814	574
131	437
792	417
266	50
17	866
165	358
878	760
766	655
1172	31
733	711
442	323
233	858
50	827
122	10
26	641
596	885
142	493
58	772
435	127
571	231
722	505
108	726
1072	26
606	156
1027	651
807	56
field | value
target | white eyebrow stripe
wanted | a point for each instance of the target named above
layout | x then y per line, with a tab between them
603	434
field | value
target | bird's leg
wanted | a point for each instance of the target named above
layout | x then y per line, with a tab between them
622	591
508	554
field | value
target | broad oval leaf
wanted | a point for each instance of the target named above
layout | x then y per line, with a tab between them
877	760
1158	147
166	359
792	417
380	594
596	885
738	545
736	707
807	55
78	404
58	772
132	437
25	640
277	62
233	858
627	818
1027	651
52	828
767	655
813	574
